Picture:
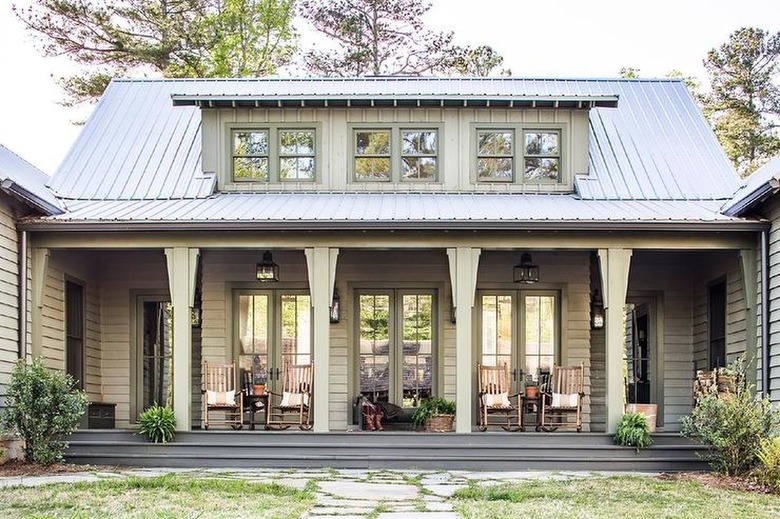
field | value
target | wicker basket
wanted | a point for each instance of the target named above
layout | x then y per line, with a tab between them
440	423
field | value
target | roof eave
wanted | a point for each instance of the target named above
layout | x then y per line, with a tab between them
31	199
756	197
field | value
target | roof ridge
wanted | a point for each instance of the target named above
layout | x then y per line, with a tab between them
273	79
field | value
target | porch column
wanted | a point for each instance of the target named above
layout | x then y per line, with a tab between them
182	276
464	262
615	265
40	269
321	263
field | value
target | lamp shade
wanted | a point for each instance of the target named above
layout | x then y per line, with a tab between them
525	271
335	308
596	312
267	271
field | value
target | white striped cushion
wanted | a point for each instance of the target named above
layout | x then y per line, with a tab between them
499	400
221	397
565	399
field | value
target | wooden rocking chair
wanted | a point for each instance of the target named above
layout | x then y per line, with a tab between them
220	394
296	399
563	399
494	399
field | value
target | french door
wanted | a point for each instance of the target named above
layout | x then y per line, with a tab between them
519	328
155	369
273	331
397	345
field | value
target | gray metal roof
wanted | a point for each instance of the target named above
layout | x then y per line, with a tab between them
654	146
389	210
26	182
764	182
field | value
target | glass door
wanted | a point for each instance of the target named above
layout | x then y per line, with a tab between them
396	346
156	360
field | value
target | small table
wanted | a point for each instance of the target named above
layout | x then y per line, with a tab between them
531	404
255	403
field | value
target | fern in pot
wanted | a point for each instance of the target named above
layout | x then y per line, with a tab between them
633	430
435	414
157	423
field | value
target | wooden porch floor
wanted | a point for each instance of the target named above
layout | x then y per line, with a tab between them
377	450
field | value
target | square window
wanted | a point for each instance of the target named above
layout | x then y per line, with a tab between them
419	154
296	154
542	156
495	149
250	155
372	155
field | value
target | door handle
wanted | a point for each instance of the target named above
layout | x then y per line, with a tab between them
514	375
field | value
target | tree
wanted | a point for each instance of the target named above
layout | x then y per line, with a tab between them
629	72
744	104
175	38
387	37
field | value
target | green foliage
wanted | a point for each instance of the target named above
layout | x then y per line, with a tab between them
633	431
744	104
768	472
629	73
479	61
158	424
42	407
431	407
176	38
733	425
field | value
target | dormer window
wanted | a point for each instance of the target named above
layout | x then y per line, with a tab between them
542	155
395	154
500	157
274	154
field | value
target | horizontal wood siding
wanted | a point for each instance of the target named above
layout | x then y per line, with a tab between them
9	295
772	212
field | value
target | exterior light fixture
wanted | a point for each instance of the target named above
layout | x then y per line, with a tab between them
596	312
525	271
335	307
267	270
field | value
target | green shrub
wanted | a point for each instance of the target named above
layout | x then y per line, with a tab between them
431	407
158	424
633	431
732	425
768	472
42	406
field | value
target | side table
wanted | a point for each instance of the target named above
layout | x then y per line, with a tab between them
256	403
530	404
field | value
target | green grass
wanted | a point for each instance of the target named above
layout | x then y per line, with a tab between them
169	496
615	497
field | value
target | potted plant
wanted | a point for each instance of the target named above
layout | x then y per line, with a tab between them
157	424
259	377
435	414
633	431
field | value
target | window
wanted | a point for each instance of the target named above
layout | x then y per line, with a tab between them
396	154
74	332
156	385
498	155
273	154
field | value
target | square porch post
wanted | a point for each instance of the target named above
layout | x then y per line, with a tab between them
321	263
615	265
182	276
464	262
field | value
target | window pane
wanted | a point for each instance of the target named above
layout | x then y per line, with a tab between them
247	168
539	333
496	329
541	169
372	142
494	169
253	143
296	168
374	316
418	142
372	169
419	168
296	329
494	143
541	143
157	354
298	142
417	348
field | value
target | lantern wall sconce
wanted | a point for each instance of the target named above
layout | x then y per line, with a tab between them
525	271
267	271
335	307
596	312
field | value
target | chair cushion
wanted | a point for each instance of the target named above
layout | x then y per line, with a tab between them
294	399
496	400
221	397
565	400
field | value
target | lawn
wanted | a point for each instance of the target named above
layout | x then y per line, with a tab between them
614	497
161	497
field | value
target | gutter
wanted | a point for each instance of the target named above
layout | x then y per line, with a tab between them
765	312
29	198
760	194
22	295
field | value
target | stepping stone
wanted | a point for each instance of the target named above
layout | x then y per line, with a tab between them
444	490
369	491
418	515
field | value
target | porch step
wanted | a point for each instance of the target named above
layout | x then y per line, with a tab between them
396	450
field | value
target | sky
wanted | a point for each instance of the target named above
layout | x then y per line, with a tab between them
554	38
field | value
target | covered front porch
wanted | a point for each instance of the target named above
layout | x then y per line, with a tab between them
417	313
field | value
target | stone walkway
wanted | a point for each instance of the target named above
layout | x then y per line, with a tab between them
345	494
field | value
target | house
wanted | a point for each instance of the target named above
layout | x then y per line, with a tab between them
23	193
410	205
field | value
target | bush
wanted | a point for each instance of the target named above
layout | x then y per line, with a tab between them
158	424
768	472
633	431
431	407
732	424
42	407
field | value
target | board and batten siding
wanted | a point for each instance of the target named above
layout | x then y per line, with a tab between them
9	295
457	153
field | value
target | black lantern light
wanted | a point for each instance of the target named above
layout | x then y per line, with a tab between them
596	312
267	270
525	271
335	307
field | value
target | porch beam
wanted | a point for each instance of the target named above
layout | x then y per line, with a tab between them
464	263
40	270
321	265
182	276
615	265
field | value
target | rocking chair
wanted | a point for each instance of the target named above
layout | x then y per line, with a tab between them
220	394
295	404
494	399
563	399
